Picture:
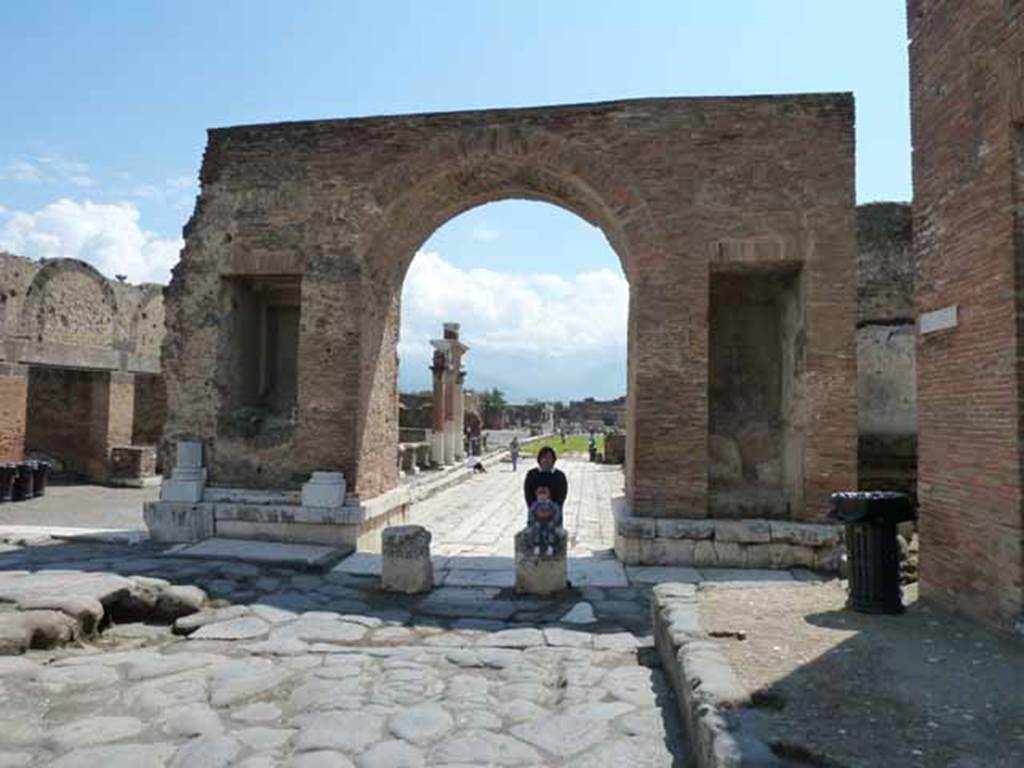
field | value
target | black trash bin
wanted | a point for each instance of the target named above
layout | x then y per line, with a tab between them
6	482
39	472
872	549
23	485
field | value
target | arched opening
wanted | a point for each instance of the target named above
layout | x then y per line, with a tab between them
541	304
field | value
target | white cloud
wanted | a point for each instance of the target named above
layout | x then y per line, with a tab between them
546	315
22	170
484	233
49	169
108	236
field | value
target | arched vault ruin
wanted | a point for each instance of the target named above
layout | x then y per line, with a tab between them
304	231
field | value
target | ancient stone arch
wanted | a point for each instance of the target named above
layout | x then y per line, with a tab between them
69	302
315	223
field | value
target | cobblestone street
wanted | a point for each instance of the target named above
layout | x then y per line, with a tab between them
289	668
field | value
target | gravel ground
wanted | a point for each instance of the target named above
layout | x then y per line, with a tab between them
839	688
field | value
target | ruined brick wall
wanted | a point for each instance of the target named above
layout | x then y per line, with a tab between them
70	326
68	420
967	99
150	409
679	186
13	399
886	335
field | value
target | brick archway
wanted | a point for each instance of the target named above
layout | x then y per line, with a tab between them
323	218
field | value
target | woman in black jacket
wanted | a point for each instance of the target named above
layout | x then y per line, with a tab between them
545	474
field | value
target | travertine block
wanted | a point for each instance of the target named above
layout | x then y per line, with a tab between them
406	565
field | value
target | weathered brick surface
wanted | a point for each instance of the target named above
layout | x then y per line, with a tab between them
81	337
77	416
967	99
678	186
13	402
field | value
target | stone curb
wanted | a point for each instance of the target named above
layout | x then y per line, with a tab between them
706	686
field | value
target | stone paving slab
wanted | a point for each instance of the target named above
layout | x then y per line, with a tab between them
745	577
263	552
658	574
596	572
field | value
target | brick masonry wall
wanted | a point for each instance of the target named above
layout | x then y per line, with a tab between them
13	401
967	98
76	416
675	184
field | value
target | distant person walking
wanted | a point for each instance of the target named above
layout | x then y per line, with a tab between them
513	450
545	474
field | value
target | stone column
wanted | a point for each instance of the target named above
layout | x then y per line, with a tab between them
449	350
13	411
437	436
460	417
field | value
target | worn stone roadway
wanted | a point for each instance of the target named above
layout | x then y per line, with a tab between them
288	668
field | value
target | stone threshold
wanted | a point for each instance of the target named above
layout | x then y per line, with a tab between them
304	556
707	689
728	543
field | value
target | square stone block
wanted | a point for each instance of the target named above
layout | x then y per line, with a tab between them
324	489
744	531
674	528
405	560
189	454
540	574
178	522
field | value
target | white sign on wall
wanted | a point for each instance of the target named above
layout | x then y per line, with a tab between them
938	320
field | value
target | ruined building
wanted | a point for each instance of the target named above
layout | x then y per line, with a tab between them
886	334
734	222
967	116
80	369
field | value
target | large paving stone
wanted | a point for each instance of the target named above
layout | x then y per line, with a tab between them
245	628
188	624
321	759
349	732
563	735
85	610
92	731
192	720
321	628
207	752
116	756
513	638
263	739
240	680
478	747
391	754
422	724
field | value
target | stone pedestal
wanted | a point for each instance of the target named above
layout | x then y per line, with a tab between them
540	574
324	490
188	479
406	559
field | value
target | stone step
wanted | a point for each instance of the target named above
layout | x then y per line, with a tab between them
250	496
308	556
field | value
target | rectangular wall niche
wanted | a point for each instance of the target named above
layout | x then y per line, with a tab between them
754	460
259	361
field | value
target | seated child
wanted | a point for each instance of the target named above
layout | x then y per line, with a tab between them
544	520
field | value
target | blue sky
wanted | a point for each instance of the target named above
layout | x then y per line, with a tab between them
106	104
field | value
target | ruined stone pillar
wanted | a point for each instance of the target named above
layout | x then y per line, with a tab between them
437	436
111	416
451	389
449	350
460	417
13	407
